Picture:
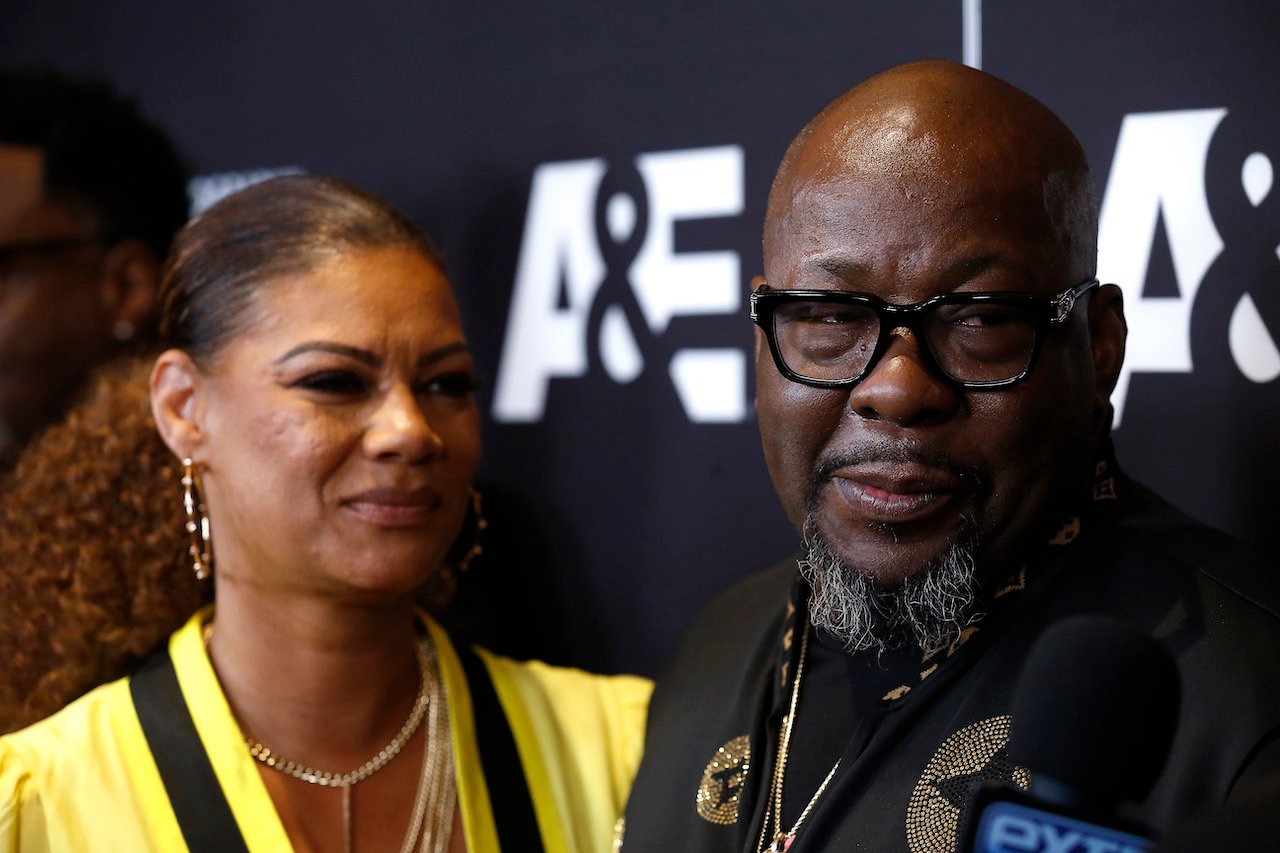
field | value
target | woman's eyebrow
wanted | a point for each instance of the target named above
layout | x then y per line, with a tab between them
366	357
363	356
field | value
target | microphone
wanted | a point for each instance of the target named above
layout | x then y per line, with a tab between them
1094	713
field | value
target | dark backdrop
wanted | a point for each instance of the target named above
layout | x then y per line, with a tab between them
596	174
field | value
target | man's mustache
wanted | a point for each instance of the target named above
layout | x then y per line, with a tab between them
899	452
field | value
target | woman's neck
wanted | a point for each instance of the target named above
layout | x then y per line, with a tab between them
322	682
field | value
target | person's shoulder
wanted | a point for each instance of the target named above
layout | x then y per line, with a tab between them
557	684
733	635
67	736
579	735
741	612
1226	572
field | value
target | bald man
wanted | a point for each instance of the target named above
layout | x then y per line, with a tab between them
934	360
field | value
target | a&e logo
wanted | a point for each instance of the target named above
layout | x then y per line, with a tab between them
601	289
1191	193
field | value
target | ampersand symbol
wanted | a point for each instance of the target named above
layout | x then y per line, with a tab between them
1236	316
618	336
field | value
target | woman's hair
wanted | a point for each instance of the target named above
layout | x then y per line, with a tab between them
93	567
284	226
94	570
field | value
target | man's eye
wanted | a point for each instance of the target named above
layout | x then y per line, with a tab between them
982	315
834	315
335	382
451	384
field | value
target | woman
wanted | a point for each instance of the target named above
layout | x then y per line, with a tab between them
317	391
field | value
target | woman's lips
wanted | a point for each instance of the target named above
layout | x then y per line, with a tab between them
900	497
392	507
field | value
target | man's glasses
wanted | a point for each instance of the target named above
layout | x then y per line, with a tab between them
834	338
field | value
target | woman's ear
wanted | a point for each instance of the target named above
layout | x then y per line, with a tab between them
176	386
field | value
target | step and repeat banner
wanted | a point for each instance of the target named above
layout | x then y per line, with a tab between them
596	175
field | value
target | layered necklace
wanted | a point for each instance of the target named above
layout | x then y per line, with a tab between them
781	838
431	823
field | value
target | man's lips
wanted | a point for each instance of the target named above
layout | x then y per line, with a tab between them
897	493
393	507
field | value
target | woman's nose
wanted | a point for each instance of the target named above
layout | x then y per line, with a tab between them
399	428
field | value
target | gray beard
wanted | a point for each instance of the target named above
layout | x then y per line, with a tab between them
929	610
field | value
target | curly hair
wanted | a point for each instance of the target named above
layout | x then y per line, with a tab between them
95	572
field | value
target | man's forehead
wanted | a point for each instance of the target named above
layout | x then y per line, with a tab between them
927	160
896	138
27	212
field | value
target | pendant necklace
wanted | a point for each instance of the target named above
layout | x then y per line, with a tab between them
435	791
782	838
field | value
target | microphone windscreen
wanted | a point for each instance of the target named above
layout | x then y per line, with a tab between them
1095	710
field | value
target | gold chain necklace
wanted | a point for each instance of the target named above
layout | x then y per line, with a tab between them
782	838
435	784
434	805
329	779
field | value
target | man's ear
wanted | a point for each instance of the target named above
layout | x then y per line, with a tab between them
176	388
1107	333
131	282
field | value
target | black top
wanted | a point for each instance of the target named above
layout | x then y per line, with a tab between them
914	754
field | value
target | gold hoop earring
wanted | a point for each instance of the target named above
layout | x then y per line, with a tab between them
439	589
479	524
197	521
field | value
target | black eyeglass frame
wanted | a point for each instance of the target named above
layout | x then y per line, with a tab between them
1047	312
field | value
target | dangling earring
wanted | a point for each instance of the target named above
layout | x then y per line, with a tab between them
478	524
439	589
197	520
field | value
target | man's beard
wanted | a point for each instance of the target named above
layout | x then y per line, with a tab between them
930	609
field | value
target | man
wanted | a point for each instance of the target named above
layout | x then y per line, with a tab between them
90	195
945	455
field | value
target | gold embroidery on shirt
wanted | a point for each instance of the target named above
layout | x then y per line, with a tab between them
1105	490
896	693
1068	533
1017	584
722	781
928	672
961	640
970	756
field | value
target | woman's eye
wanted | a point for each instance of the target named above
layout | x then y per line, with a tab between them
336	382
451	384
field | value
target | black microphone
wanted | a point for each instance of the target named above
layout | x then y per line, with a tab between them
1094	714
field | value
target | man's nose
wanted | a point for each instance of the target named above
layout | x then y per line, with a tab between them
904	387
400	429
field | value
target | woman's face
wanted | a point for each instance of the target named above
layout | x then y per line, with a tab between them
338	435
